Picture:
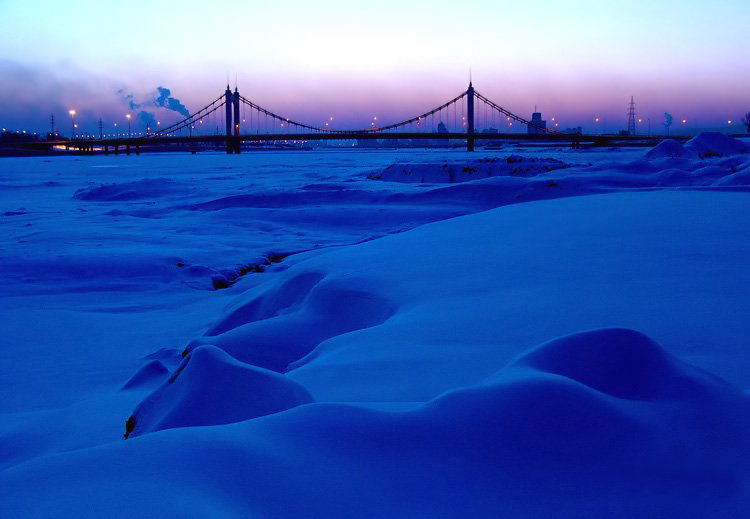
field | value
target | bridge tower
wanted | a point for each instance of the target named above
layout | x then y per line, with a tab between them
236	109
228	104
470	118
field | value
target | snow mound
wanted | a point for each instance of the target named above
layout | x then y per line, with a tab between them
277	198
148	375
740	178
210	387
164	354
466	171
608	394
136	190
618	362
715	144
669	148
587	440
274	329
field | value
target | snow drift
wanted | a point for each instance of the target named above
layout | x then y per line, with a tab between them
715	144
465	171
600	423
136	190
408	375
209	387
704	145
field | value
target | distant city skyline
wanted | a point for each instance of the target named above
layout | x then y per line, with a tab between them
575	61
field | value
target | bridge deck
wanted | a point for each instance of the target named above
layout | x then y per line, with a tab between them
338	136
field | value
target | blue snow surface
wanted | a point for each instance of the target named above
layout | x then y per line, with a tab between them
516	333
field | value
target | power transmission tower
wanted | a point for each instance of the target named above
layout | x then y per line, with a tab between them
631	117
52	120
101	129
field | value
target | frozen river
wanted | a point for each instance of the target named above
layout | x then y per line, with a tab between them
335	332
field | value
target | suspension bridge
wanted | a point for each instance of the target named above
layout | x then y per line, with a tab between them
469	117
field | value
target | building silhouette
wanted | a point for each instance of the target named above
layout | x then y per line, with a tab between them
538	125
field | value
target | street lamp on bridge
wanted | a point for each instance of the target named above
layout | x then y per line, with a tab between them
72	123
128	118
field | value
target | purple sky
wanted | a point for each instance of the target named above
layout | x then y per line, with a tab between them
575	60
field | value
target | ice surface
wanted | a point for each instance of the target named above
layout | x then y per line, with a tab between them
383	347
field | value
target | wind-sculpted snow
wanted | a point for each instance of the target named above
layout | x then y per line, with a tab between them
563	431
132	232
208	388
276	329
668	165
704	145
618	362
148	375
287	198
137	190
504	346
715	144
466	171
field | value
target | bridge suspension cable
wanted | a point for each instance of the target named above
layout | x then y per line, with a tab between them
268	113
416	119
379	129
458	125
188	121
512	115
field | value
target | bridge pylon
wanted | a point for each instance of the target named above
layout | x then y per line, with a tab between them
236	127
470	118
228	103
